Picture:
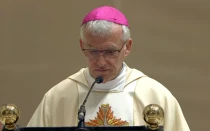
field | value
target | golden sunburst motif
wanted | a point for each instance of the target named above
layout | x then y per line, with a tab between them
105	117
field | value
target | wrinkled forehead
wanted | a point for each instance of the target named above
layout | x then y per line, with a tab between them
102	43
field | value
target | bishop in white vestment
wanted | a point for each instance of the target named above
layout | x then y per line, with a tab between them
118	101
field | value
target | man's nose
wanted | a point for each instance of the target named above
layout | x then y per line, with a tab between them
101	61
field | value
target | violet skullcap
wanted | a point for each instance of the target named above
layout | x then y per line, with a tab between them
106	13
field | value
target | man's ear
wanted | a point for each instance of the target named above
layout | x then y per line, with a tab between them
128	47
81	44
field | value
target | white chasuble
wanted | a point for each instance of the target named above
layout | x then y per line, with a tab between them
109	108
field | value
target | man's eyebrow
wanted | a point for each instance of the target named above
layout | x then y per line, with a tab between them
89	46
110	47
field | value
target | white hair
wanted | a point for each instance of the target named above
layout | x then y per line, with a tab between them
102	28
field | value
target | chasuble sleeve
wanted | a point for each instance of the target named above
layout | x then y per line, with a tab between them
149	91
58	107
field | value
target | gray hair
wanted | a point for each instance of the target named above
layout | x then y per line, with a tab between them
102	28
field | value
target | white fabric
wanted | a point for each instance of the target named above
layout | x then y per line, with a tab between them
114	85
60	104
122	100
99	96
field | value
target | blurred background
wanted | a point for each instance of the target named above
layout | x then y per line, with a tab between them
39	47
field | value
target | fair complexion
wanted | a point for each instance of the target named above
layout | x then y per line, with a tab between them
101	66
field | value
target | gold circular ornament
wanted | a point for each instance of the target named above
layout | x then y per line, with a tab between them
153	115
9	115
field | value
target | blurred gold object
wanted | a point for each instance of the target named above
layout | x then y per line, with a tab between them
9	115
153	115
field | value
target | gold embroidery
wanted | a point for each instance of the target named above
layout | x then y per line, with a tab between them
105	117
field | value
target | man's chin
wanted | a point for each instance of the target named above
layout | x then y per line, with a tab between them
104	74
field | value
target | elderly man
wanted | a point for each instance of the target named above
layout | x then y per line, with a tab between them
120	99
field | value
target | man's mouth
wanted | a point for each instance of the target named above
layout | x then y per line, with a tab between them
102	70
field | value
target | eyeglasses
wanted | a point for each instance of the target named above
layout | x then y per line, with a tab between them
108	54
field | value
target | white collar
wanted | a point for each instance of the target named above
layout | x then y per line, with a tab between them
114	85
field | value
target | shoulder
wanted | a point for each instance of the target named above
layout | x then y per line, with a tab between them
147	86
65	88
144	82
149	90
149	83
68	86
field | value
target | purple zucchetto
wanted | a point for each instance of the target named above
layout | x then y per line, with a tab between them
106	13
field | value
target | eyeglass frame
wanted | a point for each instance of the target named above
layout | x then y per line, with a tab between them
102	51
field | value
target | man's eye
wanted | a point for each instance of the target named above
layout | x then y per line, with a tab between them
93	51
110	51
